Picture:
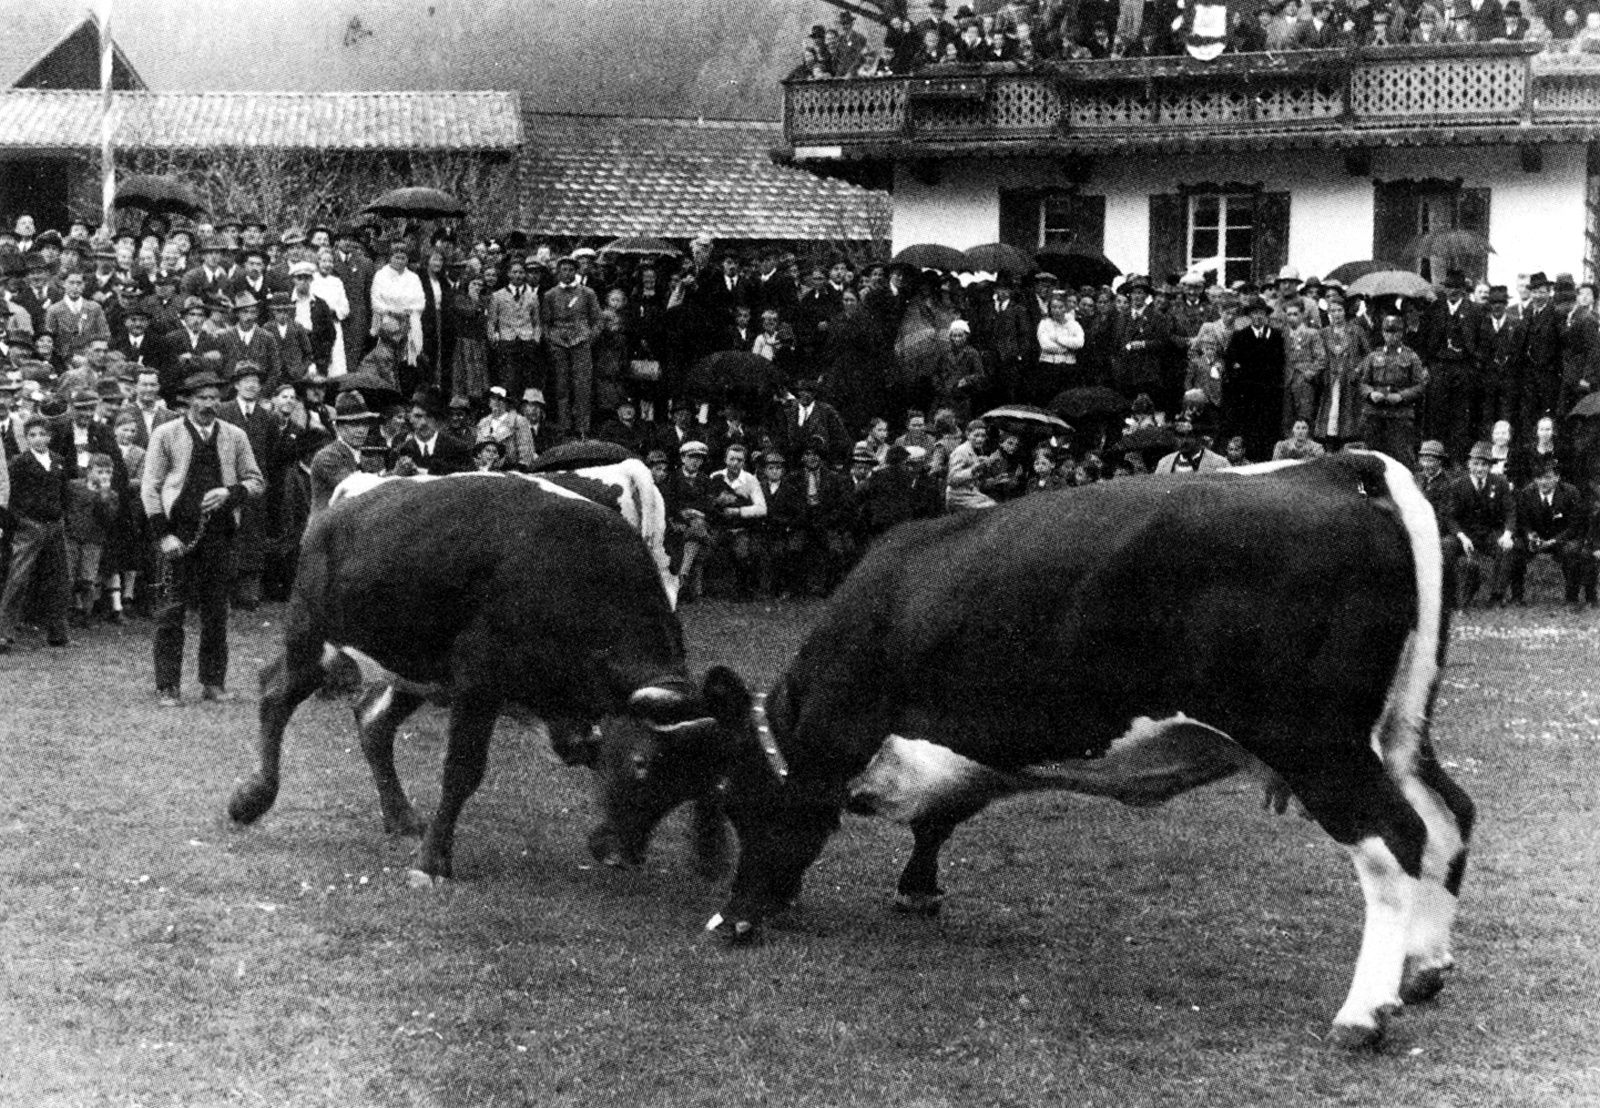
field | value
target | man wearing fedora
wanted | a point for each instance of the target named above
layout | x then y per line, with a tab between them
353	422
1450	351
1551	520
1541	375
214	273
1502	339
1143	348
1483	509
247	412
246	341
198	474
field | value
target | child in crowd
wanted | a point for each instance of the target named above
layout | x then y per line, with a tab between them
91	519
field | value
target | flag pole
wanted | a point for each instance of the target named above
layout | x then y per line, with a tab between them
108	123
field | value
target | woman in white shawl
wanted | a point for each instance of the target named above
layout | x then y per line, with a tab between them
397	290
327	284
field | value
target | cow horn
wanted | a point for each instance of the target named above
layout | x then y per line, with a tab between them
769	745
656	699
682	725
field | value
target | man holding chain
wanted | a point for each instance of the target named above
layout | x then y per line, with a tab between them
197	474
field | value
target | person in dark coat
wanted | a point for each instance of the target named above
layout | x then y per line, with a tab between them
295	348
430	449
827	510
853	358
626	429
1450	351
1143	354
248	412
1252	382
1003	333
355	269
246	340
806	417
1551	520
190	339
780	535
38	480
1541	376
1483	510
1501	343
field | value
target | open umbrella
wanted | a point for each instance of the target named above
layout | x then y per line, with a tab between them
1452	243
1025	417
1000	257
1588	407
1391	282
642	248
162	195
930	255
416	203
1078	266
1351	271
379	392
1146	439
1089	401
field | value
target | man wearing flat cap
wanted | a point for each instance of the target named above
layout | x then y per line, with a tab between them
198	474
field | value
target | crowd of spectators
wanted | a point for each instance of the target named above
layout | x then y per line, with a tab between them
1021	33
790	413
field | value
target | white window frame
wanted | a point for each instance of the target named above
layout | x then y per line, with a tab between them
1241	204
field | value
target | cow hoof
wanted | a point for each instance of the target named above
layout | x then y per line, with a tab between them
733	932
1361	1036
420	879
251	800
1419	984
926	905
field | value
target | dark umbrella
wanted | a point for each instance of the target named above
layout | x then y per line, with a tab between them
416	203
580	454
377	391
1000	257
1025	417
1588	406
1078	266
739	374
1145	439
163	195
1088	402
1351	271
1453	243
642	248
931	255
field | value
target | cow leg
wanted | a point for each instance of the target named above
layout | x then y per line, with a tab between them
472	716
1367	813
918	892
1448	813
772	865
285	682
379	713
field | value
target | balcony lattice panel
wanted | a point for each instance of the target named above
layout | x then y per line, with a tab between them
1446	88
845	109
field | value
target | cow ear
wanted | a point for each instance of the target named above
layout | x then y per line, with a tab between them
726	696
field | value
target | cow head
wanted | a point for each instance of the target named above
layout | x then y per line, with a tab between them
677	743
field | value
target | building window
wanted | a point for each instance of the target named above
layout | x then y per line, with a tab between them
1060	221
1221	235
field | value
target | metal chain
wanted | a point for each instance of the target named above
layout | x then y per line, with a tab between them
163	585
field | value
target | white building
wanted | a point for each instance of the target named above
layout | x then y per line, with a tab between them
1312	158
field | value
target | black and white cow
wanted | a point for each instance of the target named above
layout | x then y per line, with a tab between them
497	592
1131	640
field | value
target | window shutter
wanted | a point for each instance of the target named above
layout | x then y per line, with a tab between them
1270	250
1394	222
1169	233
1019	218
1472	214
1090	213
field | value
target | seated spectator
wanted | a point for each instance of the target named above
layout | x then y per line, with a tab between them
966	468
1299	445
688	503
625	430
1046	475
876	444
1191	455
1513	28
736	502
1550	520
1285	32
916	432
826	522
1383	32
1006	470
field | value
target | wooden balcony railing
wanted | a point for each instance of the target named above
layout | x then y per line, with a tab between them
1410	87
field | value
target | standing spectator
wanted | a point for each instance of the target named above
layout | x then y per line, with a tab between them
849	48
326	286
469	372
1580	338
343	456
357	272
806	417
1252	382
198	473
438	321
826	522
75	320
1002	333
38	508
295	351
514	332
1142	344
1541	376
1060	337
245	341
1501	342
397	291
1305	365
315	317
779	538
92	512
430	449
959	376
1339	406
1450	350
247	412
1391	381
190	341
1550	520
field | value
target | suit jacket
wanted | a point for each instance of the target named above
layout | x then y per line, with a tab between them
511	317
295	353
1451	338
1141	370
144	354
101	441
75	326
1562	521
777	292
261	348
1004	332
166	467
1580	349
36	493
260	427
570	317
204	284
169	357
324	332
450	455
823	420
35	305
1483	515
1543	338
1440	489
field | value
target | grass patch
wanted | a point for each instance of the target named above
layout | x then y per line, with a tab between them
150	954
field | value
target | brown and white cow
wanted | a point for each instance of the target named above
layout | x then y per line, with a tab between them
1133	640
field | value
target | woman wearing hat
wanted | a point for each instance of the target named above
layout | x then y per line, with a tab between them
509	429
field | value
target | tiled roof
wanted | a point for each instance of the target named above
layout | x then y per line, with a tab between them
592	176
54	120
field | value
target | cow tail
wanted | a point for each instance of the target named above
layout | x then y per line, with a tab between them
1402	730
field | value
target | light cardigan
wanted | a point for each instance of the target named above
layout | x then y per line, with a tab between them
400	294
166	467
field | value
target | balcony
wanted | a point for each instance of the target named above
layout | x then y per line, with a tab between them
1404	95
